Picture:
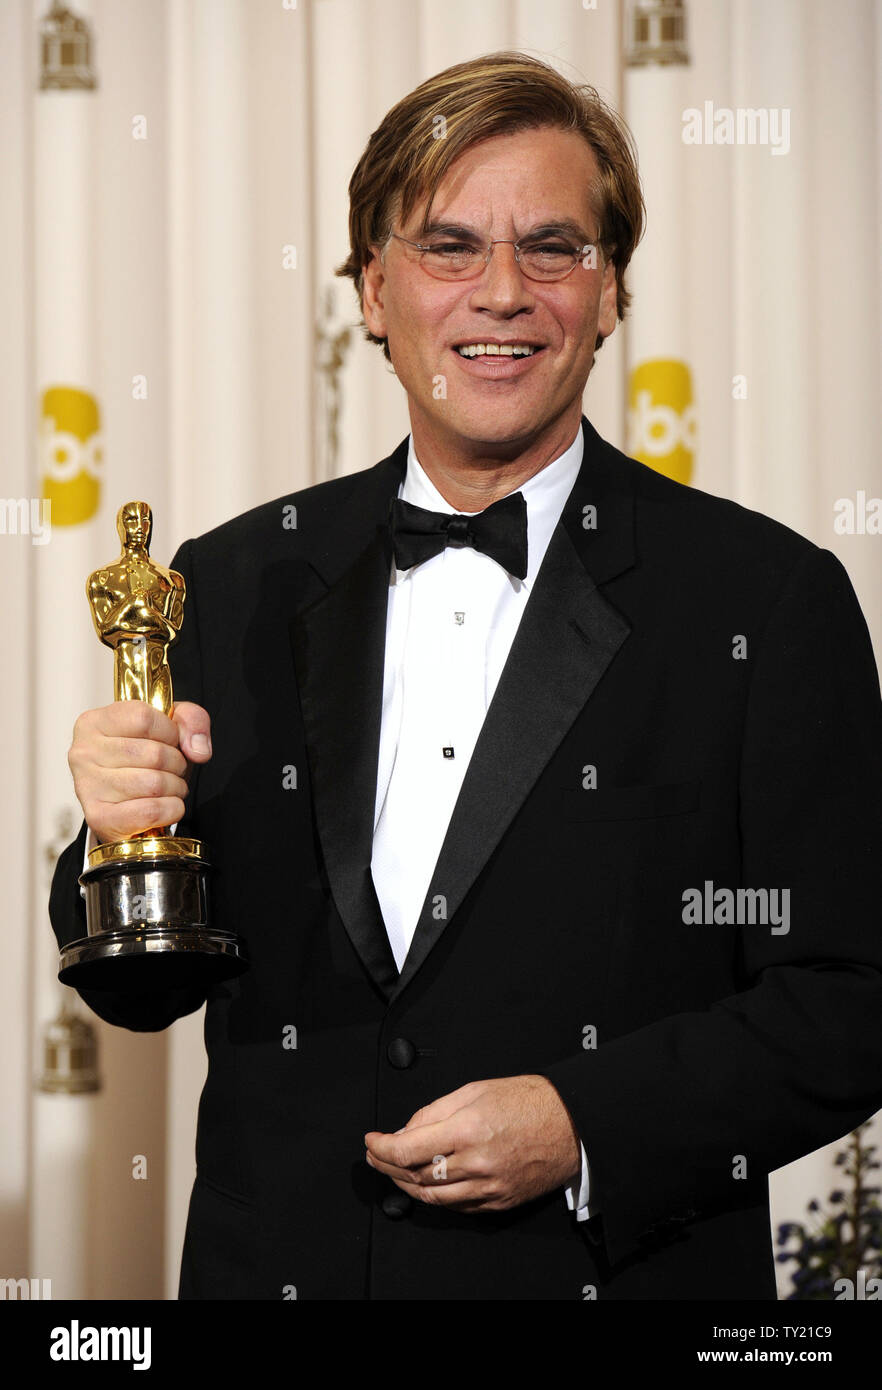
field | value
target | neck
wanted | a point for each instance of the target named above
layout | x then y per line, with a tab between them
471	475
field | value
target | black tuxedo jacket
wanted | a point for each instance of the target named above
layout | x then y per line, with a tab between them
715	670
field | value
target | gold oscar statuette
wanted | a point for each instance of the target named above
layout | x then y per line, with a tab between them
147	909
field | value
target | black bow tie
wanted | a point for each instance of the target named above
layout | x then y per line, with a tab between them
500	531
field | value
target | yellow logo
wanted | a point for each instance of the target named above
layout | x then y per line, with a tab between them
661	418
70	454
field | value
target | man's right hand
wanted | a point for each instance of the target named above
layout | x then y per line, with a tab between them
131	764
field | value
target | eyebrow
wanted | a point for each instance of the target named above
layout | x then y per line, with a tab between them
458	229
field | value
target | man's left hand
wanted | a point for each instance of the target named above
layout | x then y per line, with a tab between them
489	1146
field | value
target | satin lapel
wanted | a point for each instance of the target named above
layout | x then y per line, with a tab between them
339	644
567	638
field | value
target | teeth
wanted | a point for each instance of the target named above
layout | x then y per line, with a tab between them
496	350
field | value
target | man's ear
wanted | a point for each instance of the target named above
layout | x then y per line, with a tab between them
607	314
373	284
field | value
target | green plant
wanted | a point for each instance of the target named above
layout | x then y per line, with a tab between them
844	1240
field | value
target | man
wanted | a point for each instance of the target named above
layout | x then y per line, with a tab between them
466	778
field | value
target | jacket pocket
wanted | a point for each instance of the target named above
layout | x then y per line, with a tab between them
227	1194
221	1256
632	803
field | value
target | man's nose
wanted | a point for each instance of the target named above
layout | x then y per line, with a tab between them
501	284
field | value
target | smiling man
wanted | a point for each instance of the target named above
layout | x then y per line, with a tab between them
455	316
536	697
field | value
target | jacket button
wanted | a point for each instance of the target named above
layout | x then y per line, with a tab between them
396	1205
401	1053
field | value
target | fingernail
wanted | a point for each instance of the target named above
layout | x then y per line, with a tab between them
200	743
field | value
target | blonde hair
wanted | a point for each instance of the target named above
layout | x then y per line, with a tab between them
497	94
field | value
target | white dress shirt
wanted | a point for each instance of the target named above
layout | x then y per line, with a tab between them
450	624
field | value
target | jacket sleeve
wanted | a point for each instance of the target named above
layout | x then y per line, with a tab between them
792	1061
147	1012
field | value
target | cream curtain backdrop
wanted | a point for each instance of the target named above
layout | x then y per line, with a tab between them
209	199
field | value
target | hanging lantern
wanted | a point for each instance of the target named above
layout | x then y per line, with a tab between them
65	50
70	1055
656	33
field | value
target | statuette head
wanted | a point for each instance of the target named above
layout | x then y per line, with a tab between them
133	523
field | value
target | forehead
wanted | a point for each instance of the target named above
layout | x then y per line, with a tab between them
531	175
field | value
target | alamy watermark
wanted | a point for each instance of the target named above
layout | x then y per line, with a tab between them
21	1289
75	1343
743	125
26	516
738	907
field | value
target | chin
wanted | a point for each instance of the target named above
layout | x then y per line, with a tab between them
498	426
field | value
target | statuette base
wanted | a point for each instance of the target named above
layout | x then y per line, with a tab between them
147	921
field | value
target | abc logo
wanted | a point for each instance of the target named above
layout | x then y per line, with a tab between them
70	454
661	418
